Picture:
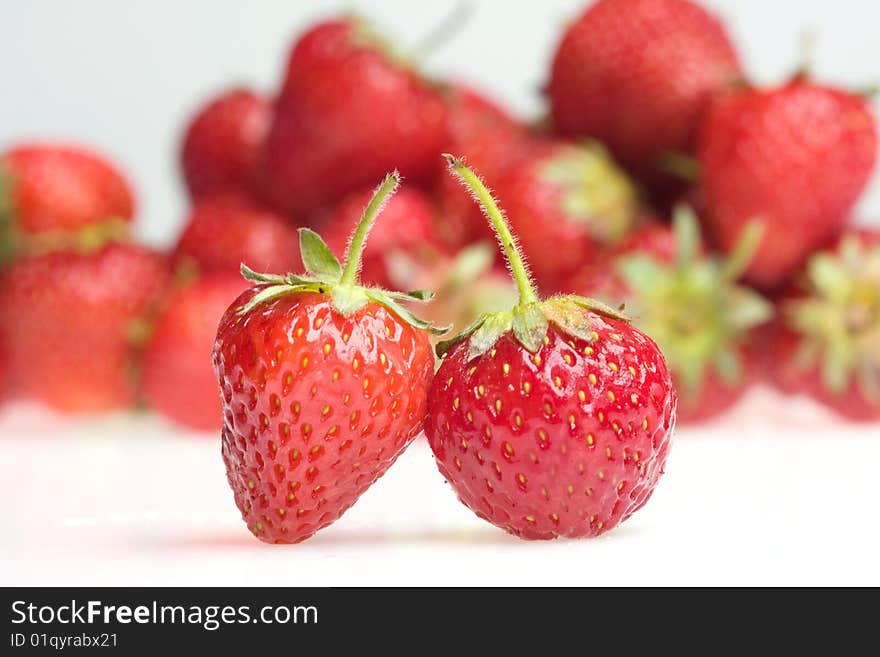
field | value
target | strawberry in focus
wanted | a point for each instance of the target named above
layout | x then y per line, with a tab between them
637	75
827	338
54	196
565	203
408	226
348	111
226	230
795	158
551	419
223	141
324	383
178	379
70	321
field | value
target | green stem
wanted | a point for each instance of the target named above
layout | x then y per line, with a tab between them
527	292
356	247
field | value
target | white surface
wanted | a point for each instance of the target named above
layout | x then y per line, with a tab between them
125	76
129	501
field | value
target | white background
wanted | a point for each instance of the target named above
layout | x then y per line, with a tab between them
135	501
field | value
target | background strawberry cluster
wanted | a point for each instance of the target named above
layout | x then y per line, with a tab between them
649	111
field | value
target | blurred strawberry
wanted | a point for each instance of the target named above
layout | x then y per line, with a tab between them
348	111
226	230
690	303
70	322
491	142
565	203
223	141
55	196
637	75
827	342
408	225
795	158
178	377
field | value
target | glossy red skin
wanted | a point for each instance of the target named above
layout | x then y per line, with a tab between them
557	246
637	75
178	377
796	158
348	413
409	225
226	230
222	144
346	116
63	188
67	319
781	358
482	452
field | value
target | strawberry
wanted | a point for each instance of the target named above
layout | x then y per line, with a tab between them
706	324
348	111
55	196
223	141
637	75
827	340
553	418
226	230
408	226
796	158
178	379
324	383
69	323
566	202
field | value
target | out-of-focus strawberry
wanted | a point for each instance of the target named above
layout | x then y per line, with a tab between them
794	158
348	112
69	322
178	378
222	144
226	230
637	75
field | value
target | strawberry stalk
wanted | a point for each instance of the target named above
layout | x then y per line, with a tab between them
354	253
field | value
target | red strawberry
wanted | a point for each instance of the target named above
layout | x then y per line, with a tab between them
637	75
178	379
222	144
55	196
795	158
68	324
324	384
408	226
226	230
347	112
552	419
827	342
690	303
565	203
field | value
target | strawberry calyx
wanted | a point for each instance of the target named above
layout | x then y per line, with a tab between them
325	275
595	191
839	318
693	306
530	318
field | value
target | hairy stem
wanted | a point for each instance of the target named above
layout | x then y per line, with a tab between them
359	238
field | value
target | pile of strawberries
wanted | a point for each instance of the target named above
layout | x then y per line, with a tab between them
717	211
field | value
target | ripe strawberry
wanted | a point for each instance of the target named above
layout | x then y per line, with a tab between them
347	112
178	379
690	303
226	230
324	384
222	144
408	226
68	324
795	158
552	419
827	342
637	75
565	203
58	196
